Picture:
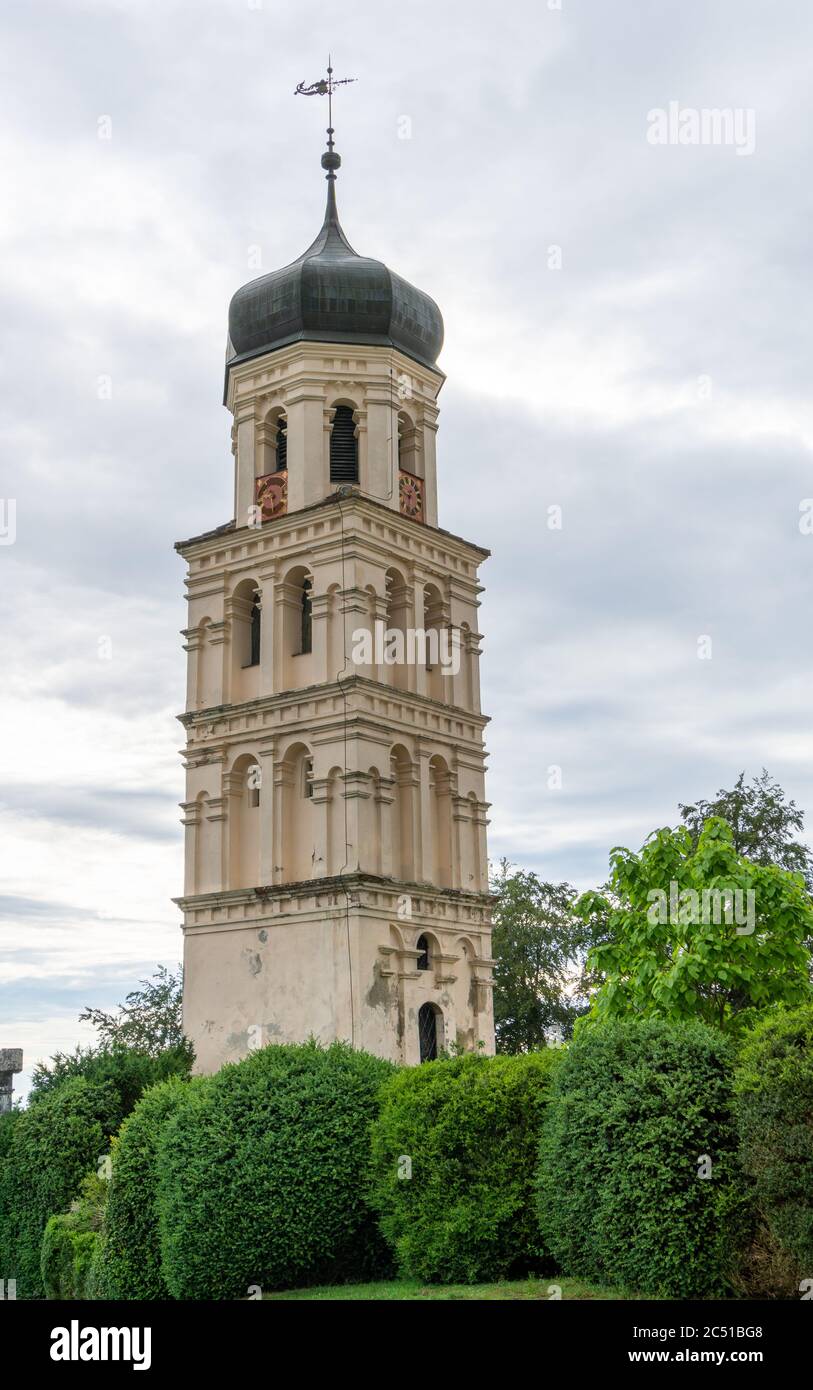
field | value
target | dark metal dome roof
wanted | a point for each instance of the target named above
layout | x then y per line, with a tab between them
331	294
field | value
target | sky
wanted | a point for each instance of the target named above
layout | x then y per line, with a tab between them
626	422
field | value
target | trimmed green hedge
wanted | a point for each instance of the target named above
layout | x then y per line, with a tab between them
454	1159
636	1106
774	1101
8	1123
130	1071
54	1144
76	1105
130	1259
263	1172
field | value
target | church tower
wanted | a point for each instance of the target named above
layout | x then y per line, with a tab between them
335	816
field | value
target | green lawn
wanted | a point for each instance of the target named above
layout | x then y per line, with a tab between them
407	1290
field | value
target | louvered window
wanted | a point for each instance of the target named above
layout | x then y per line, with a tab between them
343	447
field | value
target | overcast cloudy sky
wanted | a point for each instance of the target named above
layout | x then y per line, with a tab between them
656	388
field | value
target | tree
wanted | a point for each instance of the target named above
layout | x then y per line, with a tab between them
698	931
536	943
139	1045
762	823
150	1019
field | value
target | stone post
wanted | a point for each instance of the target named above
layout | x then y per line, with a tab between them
11	1060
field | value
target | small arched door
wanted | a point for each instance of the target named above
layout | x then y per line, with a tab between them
428	1016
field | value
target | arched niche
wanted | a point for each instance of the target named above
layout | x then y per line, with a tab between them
397	621
440	823
436	641
295	775
243	785
245	641
403	806
295	597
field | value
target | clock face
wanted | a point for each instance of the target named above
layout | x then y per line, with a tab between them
272	495
410	494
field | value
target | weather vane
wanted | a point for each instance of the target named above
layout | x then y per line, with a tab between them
326	87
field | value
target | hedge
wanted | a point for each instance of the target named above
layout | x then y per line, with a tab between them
130	1259
454	1160
76	1105
774	1104
8	1122
638	1109
263	1172
66	1257
54	1144
70	1244
129	1070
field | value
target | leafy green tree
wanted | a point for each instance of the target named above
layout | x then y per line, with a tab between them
139	1045
150	1019
698	931
762	823
536	943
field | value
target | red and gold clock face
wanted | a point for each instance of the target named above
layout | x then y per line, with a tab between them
271	494
410	496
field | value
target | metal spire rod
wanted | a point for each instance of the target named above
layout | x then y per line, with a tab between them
326	87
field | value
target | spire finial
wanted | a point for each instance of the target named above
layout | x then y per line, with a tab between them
331	161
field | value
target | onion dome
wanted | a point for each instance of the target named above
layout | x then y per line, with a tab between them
333	295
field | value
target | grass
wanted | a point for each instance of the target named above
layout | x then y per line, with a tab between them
406	1290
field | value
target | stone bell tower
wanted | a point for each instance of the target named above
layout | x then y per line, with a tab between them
335	814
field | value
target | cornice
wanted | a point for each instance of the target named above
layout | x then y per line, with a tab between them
276	706
244	541
361	894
